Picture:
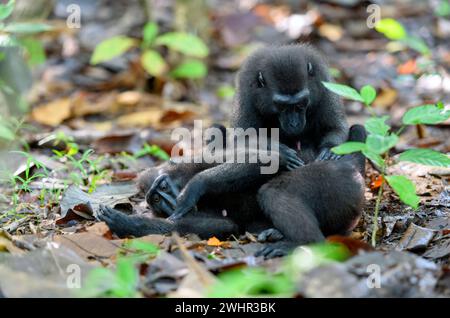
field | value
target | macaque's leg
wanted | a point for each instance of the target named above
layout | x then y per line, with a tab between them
203	225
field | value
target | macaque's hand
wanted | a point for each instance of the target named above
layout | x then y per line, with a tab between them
326	154
188	199
289	158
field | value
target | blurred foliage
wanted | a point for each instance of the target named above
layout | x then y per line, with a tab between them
180	43
250	282
124	281
394	30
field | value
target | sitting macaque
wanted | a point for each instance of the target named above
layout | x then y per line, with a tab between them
281	88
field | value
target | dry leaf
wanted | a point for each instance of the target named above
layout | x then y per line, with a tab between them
129	98
100	229
91	104
214	241
409	67
376	182
147	118
386	98
53	113
331	31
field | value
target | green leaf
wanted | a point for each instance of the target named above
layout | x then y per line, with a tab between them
184	43
190	69
153	63
405	189
149	33
7	40
374	157
391	28
349	147
426	157
27	28
35	50
159	153
380	144
443	8
226	92
426	114
416	44
344	91
142	246
368	94
6	9
377	125
127	277
99	281
6	132
111	48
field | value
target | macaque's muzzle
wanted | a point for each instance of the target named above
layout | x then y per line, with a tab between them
292	122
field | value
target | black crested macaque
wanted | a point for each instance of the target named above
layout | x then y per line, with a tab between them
278	87
281	87
303	205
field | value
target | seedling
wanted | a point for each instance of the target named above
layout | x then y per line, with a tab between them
381	139
186	47
394	31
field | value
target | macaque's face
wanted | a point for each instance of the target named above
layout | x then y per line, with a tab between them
285	83
160	189
162	195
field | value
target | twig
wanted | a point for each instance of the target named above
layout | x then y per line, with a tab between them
205	277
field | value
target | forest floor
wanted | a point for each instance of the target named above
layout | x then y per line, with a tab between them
90	127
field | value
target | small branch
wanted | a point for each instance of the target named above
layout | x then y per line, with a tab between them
375	215
421	132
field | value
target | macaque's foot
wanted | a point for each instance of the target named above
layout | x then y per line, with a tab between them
289	158
278	249
270	235
326	154
116	220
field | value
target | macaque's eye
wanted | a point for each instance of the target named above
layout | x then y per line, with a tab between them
156	198
261	81
310	69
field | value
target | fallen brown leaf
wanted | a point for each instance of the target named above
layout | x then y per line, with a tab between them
53	113
386	98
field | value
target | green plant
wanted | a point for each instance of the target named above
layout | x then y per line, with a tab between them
84	166
103	282
394	30
182	46
381	139
21	184
443	8
152	150
124	281
250	282
18	34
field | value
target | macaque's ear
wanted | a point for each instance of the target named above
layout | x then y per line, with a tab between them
261	80
310	69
